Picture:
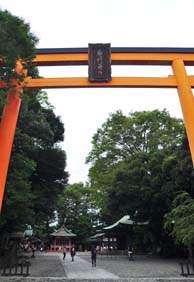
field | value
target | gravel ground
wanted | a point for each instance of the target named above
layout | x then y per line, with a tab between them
47	266
40	266
141	266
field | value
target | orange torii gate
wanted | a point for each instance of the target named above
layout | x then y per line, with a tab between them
178	58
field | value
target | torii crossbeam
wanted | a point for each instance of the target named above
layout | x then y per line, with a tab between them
178	58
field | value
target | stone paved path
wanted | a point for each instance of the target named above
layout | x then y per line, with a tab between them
50	267
141	267
81	268
47	266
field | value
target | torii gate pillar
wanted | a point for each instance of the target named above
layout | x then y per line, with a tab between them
8	127
186	100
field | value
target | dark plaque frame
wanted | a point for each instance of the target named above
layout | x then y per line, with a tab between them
99	62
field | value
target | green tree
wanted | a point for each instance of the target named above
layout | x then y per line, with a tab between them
180	220
133	163
45	131
121	138
77	211
37	173
17	42
184	169
144	188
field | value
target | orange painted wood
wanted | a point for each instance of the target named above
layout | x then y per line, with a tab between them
7	129
60	59
81	82
150	58
186	101
116	59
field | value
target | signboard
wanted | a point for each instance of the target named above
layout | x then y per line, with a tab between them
99	62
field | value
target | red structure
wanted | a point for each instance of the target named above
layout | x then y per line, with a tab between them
177	58
62	238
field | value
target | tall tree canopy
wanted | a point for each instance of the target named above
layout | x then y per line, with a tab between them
178	222
180	219
133	161
37	173
121	137
77	211
17	42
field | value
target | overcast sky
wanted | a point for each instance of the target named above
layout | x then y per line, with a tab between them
123	23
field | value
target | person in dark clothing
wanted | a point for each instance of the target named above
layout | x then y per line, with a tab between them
72	253
64	252
130	253
33	251
93	255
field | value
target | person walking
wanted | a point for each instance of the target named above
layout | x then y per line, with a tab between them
93	255
72	253
130	253
33	251
64	252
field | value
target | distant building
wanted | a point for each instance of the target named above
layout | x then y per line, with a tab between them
61	237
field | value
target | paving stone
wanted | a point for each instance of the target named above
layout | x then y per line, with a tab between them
50	267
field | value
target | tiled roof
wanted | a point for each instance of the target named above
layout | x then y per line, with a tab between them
63	232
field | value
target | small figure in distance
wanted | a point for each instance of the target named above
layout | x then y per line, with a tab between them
33	251
72	253
93	255
42	247
130	253
64	252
